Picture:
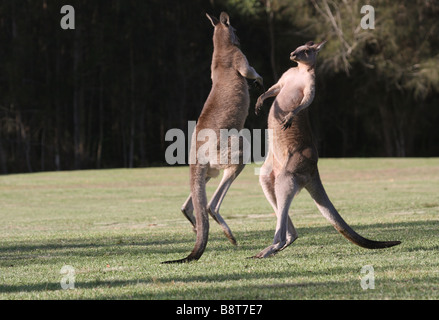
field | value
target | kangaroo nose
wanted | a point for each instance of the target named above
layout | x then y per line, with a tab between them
292	55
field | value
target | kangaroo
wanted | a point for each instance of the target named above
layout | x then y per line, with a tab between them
225	108
291	164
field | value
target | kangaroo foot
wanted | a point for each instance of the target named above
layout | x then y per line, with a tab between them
271	250
224	226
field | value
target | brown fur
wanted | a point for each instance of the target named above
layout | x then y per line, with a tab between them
225	108
291	163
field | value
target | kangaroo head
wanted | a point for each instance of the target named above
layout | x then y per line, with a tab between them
224	32
307	53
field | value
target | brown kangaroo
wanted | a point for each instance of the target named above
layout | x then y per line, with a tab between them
225	108
291	164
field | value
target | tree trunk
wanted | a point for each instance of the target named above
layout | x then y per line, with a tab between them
133	110
3	163
77	101
101	119
270	20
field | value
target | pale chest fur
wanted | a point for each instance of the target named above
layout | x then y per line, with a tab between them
295	83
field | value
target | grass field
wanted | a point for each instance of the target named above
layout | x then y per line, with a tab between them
114	227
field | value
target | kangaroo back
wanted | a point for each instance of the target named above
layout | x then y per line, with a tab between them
228	102
225	108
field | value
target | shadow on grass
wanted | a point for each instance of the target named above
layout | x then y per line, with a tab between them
282	281
31	252
278	285
54	251
232	292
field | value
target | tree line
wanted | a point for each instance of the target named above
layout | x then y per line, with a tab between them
104	94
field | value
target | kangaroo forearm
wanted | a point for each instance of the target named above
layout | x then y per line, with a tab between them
250	73
273	91
305	103
298	109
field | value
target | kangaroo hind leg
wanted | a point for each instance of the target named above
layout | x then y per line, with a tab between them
267	180
230	174
285	188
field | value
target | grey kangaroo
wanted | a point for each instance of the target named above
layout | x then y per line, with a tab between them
225	108
291	163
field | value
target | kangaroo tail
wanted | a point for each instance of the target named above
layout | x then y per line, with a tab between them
199	200
318	193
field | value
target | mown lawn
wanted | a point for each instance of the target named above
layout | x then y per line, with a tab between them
114	227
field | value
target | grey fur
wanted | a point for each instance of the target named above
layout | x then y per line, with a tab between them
291	164
225	108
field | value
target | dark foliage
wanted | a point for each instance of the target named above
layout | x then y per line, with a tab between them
104	95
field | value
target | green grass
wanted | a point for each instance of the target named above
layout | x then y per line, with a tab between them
114	227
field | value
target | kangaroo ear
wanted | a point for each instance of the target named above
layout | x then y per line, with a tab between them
224	18
320	45
212	19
